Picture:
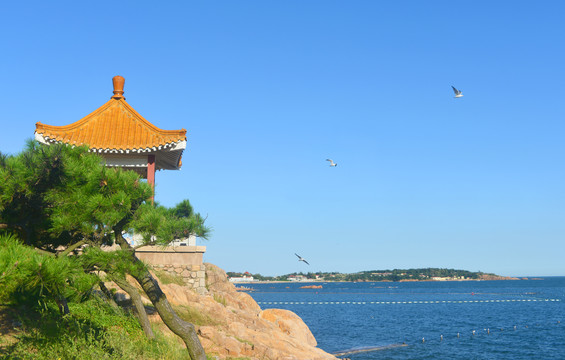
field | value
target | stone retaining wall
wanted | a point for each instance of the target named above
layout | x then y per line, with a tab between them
181	261
194	276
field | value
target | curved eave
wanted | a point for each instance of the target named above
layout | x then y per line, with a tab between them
167	157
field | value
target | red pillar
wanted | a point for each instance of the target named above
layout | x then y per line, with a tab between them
151	172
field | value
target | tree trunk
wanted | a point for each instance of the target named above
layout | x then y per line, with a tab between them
62	304
183	329
177	325
108	294
138	305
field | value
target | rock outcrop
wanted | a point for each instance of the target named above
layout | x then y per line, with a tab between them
496	277
236	326
311	287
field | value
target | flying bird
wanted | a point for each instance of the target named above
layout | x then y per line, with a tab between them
300	258
457	92
332	164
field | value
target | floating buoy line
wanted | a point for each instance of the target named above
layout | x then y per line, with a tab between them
459	336
486	331
398	302
440	337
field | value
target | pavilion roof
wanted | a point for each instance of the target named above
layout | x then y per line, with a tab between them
116	128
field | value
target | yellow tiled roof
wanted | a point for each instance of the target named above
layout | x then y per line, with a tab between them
114	126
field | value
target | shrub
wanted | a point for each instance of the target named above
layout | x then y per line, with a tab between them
93	330
30	278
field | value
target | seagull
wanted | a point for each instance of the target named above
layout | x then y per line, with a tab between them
457	92
332	164
300	258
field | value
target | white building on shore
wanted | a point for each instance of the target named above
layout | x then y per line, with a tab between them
242	279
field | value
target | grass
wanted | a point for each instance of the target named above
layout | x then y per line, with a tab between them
167	278
195	317
94	330
245	342
219	299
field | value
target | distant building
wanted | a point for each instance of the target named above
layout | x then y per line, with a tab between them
382	274
244	278
136	240
297	278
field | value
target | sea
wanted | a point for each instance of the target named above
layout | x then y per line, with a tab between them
503	319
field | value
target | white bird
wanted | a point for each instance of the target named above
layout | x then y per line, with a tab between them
300	258
332	164
458	93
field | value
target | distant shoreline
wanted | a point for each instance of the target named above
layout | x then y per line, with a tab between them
396	275
384	281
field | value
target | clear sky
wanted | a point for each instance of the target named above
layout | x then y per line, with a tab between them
269	89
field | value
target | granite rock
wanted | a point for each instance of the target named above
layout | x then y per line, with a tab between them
239	328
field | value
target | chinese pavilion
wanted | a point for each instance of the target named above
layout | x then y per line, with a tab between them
121	136
125	139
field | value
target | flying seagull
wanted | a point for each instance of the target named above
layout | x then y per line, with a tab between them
457	92
300	258
332	164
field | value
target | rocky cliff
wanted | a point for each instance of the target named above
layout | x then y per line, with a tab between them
236	326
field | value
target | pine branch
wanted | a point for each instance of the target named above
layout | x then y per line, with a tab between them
44	252
71	248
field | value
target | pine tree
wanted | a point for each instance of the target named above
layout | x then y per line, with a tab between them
59	198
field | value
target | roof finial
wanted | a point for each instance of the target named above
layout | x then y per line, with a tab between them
118	82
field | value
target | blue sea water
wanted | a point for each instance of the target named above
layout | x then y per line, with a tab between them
511	320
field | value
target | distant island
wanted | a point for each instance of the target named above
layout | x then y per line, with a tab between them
427	274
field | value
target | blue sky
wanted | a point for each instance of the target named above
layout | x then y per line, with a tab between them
269	89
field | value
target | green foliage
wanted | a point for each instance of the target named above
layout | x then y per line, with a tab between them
245	341
183	210
374	275
93	330
195	317
59	195
160	225
116	262
24	181
31	278
219	299
411	274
